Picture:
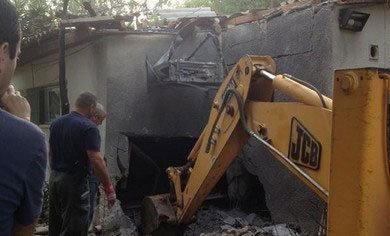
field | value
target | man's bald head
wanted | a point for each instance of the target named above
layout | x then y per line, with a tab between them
86	104
100	110
100	114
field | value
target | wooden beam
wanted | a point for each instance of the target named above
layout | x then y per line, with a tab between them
88	7
247	18
107	22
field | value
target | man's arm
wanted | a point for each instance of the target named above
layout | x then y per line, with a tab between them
93	150
99	167
29	209
101	172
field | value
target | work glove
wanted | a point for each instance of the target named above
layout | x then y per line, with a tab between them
110	193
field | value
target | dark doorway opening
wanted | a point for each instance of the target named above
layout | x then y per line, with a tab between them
149	157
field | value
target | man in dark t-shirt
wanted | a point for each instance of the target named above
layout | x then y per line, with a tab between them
74	150
23	159
23	154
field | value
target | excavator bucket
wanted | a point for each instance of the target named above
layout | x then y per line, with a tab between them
156	210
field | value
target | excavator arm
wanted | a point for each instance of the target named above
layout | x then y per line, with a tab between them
299	135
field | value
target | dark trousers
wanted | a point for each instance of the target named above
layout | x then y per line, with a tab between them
69	204
93	188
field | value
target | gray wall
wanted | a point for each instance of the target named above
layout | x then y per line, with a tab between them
301	44
136	107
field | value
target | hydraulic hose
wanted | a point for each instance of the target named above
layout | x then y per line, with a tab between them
225	100
309	86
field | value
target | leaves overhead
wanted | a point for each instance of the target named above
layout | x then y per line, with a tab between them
42	15
38	16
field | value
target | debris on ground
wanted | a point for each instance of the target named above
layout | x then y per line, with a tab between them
42	229
111	221
212	221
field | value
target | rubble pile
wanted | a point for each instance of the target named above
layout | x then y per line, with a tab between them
112	221
212	221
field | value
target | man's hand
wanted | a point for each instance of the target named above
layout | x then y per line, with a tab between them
111	196
15	104
21	230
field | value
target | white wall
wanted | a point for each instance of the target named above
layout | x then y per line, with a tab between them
81	75
352	49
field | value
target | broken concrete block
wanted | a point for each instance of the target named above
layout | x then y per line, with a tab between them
281	230
226	227
247	234
242	231
242	222
257	221
111	221
229	220
249	218
222	214
225	234
260	232
41	230
98	228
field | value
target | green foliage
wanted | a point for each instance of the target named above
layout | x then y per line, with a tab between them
42	15
228	6
35	15
154	19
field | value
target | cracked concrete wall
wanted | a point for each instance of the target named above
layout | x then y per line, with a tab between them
301	44
309	45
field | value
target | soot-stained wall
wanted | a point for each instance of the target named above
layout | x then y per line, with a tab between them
301	44
136	107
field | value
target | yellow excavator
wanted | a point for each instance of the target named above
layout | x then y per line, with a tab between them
338	147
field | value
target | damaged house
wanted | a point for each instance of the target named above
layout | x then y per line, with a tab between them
158	85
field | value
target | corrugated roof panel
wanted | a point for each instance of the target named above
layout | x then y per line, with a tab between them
174	14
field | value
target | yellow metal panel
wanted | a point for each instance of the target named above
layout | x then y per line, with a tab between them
213	170
276	119
359	201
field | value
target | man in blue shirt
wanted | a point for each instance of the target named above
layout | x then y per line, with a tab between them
74	149
23	154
